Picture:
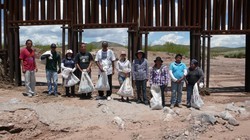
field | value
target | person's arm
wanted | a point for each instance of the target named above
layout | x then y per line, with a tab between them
35	64
151	76
90	63
133	69
166	74
147	70
201	74
171	74
113	63
118	67
23	70
59	63
97	62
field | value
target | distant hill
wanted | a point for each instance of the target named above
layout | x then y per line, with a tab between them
111	44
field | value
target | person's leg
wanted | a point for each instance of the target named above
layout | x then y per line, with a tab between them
109	92
55	80
162	94
27	80
90	93
33	81
138	88
48	77
72	88
179	93
189	93
173	93
144	92
67	91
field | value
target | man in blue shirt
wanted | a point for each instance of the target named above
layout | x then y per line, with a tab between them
177	71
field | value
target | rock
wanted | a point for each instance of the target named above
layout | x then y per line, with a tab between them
188	118
117	120
14	101
221	121
232	107
186	133
247	103
168	118
16	130
233	122
229	127
3	132
168	110
225	115
207	118
7	127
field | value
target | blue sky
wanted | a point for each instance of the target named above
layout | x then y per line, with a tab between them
53	34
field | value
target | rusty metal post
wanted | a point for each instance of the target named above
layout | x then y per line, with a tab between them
63	41
203	52
247	74
18	80
208	60
146	44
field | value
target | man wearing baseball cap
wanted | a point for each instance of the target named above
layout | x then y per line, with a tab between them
51	69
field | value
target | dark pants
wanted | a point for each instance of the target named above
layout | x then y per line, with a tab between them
162	94
72	90
141	87
109	92
189	93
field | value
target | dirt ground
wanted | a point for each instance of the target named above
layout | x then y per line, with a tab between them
48	117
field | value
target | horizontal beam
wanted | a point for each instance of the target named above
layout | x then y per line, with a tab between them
39	22
105	25
222	32
169	28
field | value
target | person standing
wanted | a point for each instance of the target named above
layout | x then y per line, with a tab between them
140	75
84	61
68	62
52	61
177	71
194	75
124	69
28	63
105	60
159	76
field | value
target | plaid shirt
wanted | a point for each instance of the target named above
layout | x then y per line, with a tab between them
159	76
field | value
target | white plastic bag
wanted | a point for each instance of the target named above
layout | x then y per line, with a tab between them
196	101
66	72
43	61
156	100
126	89
86	84
102	83
71	80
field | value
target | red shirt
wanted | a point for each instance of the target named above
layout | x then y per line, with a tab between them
28	57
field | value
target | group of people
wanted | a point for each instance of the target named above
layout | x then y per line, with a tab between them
159	74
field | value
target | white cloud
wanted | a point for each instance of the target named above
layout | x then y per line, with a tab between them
172	37
228	41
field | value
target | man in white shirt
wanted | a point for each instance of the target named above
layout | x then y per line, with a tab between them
105	60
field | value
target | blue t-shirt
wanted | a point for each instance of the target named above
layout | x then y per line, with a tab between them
177	69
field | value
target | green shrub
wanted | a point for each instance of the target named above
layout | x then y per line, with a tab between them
235	54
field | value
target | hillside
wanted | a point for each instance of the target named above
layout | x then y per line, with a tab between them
111	44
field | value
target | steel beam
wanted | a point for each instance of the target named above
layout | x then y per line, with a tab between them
247	73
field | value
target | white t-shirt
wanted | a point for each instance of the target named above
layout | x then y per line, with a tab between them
105	59
123	67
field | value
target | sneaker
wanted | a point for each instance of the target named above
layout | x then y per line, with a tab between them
56	94
109	98
179	105
172	106
122	99
146	102
188	105
99	97
29	95
138	101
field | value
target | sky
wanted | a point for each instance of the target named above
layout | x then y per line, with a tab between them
44	35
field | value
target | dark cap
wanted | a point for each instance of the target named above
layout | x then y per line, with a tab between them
158	59
105	43
53	45
195	62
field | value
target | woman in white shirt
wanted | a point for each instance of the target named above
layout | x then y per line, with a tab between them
124	69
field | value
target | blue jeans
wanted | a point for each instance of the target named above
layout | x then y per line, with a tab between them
176	88
121	79
141	87
189	93
162	94
52	78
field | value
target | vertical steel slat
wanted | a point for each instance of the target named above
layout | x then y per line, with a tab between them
109	11
97	12
203	11
142	13
194	13
20	11
179	12
147	13
235	14
230	13
248	15
65	9
92	11
184	13
247	61
200	3
125	11
103	10
32	9
80	12
208	14
58	9
112	8
36	8
131	10
119	11
172	12
157	12
52	12
151	4
27	10
244	22
1	13
189	9
136	11
74	15
214	14
223	15
87	11
43	10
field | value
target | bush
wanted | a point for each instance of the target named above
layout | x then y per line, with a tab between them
235	54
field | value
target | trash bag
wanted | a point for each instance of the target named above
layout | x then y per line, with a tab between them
43	61
102	83
156	100
86	84
71	80
126	88
196	101
66	72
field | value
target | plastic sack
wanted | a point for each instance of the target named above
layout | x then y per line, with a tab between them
196	101
102	83
126	88
43	61
71	80
66	72
86	84
156	100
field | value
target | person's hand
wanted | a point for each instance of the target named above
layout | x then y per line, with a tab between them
113	72
36	69
59	71
101	69
88	70
24	70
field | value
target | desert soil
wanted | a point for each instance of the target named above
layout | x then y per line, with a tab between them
48	117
